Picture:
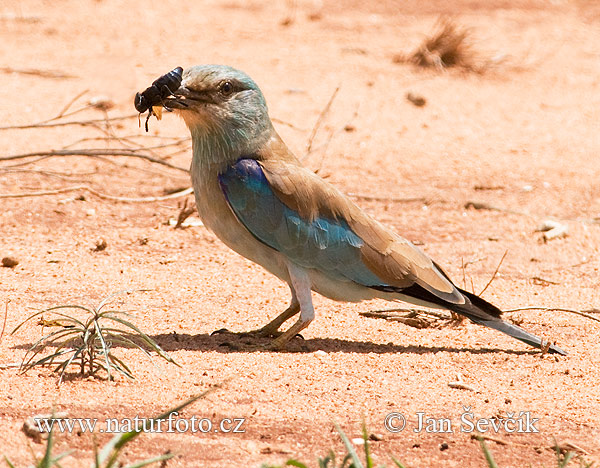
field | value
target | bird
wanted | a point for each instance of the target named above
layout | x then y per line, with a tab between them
259	200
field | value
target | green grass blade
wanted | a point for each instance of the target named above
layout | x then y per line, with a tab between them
365	436
351	452
47	337
67	363
295	463
46	461
115	294
149	461
397	463
486	452
121	339
45	361
58	458
111	450
563	461
51	309
9	463
104	346
146	339
120	366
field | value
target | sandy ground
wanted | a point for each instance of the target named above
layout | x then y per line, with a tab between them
524	136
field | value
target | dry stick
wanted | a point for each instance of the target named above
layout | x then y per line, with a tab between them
185	212
57	175
288	124
494	275
83	123
5	318
178	140
25	163
389	199
101	195
318	123
485	206
132	153
324	152
558	309
63	112
69	104
10	365
37	72
382	313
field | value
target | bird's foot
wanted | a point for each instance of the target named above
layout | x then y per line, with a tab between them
263	332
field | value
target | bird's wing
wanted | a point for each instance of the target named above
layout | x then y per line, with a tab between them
295	212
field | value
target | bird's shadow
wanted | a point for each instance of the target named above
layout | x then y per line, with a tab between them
229	342
239	343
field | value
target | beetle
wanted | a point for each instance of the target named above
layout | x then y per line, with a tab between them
161	88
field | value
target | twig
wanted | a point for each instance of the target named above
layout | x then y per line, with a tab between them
558	309
101	195
493	439
485	206
383	313
390	199
494	275
460	384
69	104
288	124
5	318
132	153
36	72
324	152
178	140
184	214
58	175
83	123
318	123
10	365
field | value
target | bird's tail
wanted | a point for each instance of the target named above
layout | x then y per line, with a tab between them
484	313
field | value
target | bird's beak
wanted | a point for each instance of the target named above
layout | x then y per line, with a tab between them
179	99
186	98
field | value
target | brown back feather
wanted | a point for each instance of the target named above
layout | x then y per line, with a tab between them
391	257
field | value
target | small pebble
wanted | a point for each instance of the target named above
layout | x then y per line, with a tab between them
100	246
101	102
416	99
9	262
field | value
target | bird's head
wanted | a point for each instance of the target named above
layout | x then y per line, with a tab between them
225	111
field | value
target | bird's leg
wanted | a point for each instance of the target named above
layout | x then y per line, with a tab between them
272	328
301	290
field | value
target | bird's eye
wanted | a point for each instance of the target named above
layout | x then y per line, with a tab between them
226	88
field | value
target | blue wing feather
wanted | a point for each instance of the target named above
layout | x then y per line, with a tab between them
325	244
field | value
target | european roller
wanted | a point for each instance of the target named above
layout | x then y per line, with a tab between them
256	196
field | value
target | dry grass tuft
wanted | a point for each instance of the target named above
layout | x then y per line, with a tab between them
448	47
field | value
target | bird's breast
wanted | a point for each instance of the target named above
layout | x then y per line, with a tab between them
217	216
